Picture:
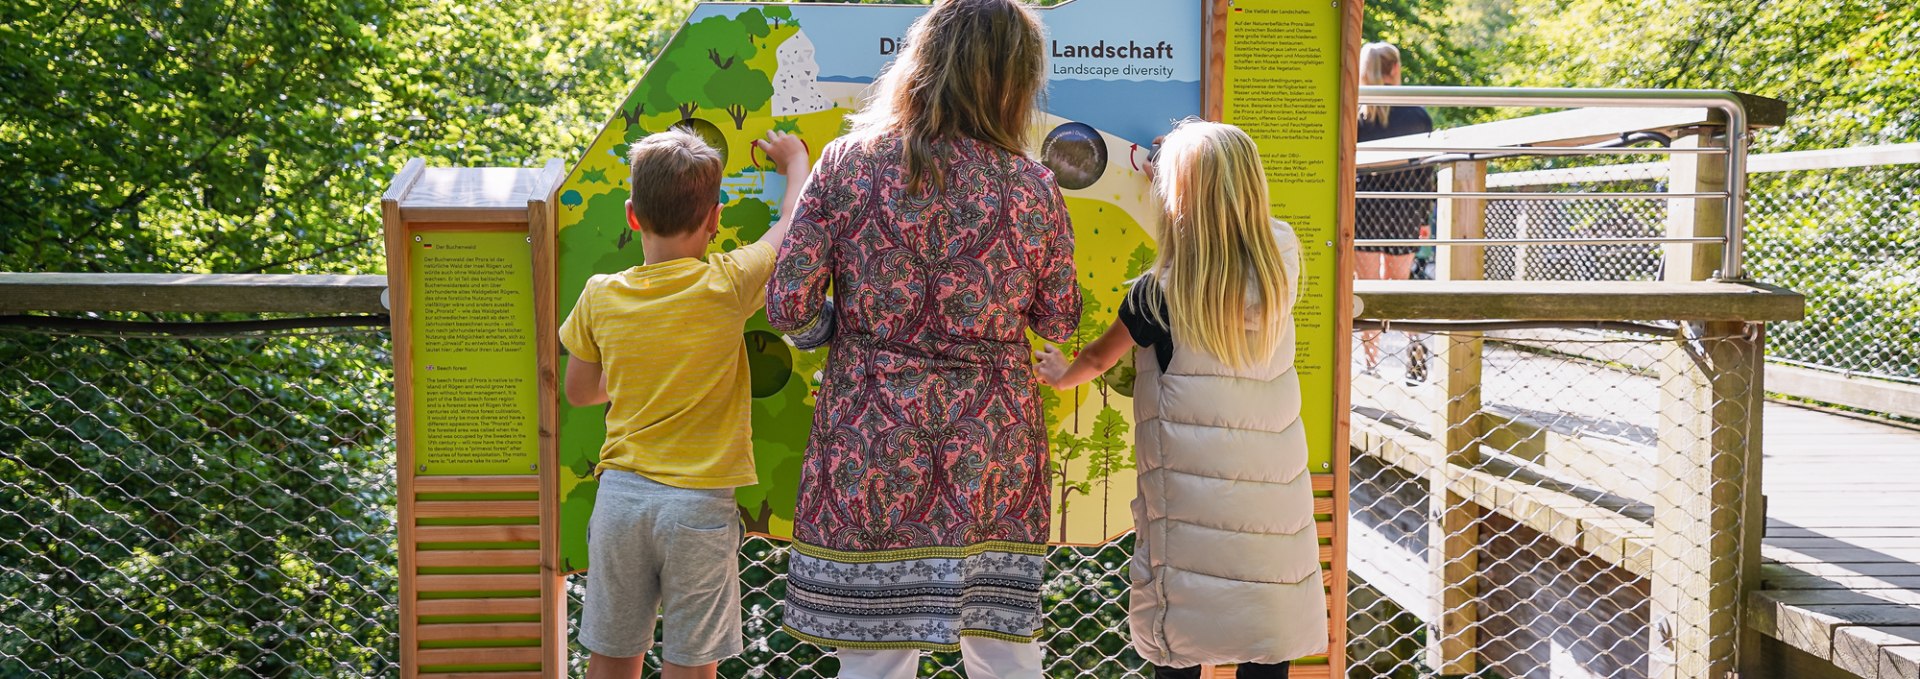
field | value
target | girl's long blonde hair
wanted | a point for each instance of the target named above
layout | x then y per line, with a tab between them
971	68
1378	60
1219	264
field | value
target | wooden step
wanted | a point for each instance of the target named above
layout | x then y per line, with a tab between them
476	509
438	558
478	583
476	534
516	606
485	631
429	657
476	484
482	675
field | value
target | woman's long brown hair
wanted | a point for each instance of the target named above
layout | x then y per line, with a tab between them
971	68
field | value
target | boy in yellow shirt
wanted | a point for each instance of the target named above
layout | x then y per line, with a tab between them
661	343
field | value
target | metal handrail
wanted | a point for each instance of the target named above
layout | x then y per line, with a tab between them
1402	242
1501	195
1546	150
1728	103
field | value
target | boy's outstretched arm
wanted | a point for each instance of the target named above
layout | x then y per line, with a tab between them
789	156
1095	359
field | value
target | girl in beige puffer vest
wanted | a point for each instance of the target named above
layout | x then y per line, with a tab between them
1226	567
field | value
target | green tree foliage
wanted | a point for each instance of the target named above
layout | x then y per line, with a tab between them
1849	70
257	137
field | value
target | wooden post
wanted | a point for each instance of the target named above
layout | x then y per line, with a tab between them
1707	478
1453	534
1706	218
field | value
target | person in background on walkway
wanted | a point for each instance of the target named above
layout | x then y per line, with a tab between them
924	504
1226	567
1376	218
662	345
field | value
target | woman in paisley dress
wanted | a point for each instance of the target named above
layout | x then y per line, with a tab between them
924	500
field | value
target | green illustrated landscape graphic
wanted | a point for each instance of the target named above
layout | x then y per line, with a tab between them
735	71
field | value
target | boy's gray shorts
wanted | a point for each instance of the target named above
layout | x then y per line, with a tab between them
656	548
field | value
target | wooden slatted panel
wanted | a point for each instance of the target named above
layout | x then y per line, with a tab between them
476	484
1321	505
481	675
479	656
488	631
476	509
1323	483
1323	529
478	583
477	534
479	607
477	557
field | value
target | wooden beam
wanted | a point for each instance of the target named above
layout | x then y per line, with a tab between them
513	655
502	606
484	631
1689	218
487	509
446	558
191	293
1706	452
1578	301
477	534
1878	396
477	484
478	583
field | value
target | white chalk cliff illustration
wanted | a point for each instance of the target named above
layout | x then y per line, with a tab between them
795	90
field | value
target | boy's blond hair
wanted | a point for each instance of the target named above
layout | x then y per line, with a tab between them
675	182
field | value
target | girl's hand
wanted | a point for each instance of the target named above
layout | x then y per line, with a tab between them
1153	157
785	150
1050	365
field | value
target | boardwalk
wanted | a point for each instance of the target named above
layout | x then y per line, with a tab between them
1842	582
1843	541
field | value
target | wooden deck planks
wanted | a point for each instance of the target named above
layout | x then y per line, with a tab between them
1843	536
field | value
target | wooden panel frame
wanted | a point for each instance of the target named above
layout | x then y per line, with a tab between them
536	219
400	305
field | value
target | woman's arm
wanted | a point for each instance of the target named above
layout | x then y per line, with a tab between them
1094	360
804	268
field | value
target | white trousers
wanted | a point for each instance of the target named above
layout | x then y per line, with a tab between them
984	658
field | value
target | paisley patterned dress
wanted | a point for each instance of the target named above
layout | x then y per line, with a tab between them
924	499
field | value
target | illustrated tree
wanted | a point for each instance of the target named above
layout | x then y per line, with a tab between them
751	217
1067	447
754	22
740	90
709	69
1109	453
777	13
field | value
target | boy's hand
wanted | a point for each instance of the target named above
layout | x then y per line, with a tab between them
1050	365
785	150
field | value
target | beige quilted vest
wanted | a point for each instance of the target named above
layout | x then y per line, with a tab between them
1226	567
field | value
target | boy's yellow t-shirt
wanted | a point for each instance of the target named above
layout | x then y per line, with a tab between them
669	339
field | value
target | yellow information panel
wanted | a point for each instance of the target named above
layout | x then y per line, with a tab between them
475	380
1282	85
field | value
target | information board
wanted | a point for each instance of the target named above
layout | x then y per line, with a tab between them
475	379
1281	83
1120	73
